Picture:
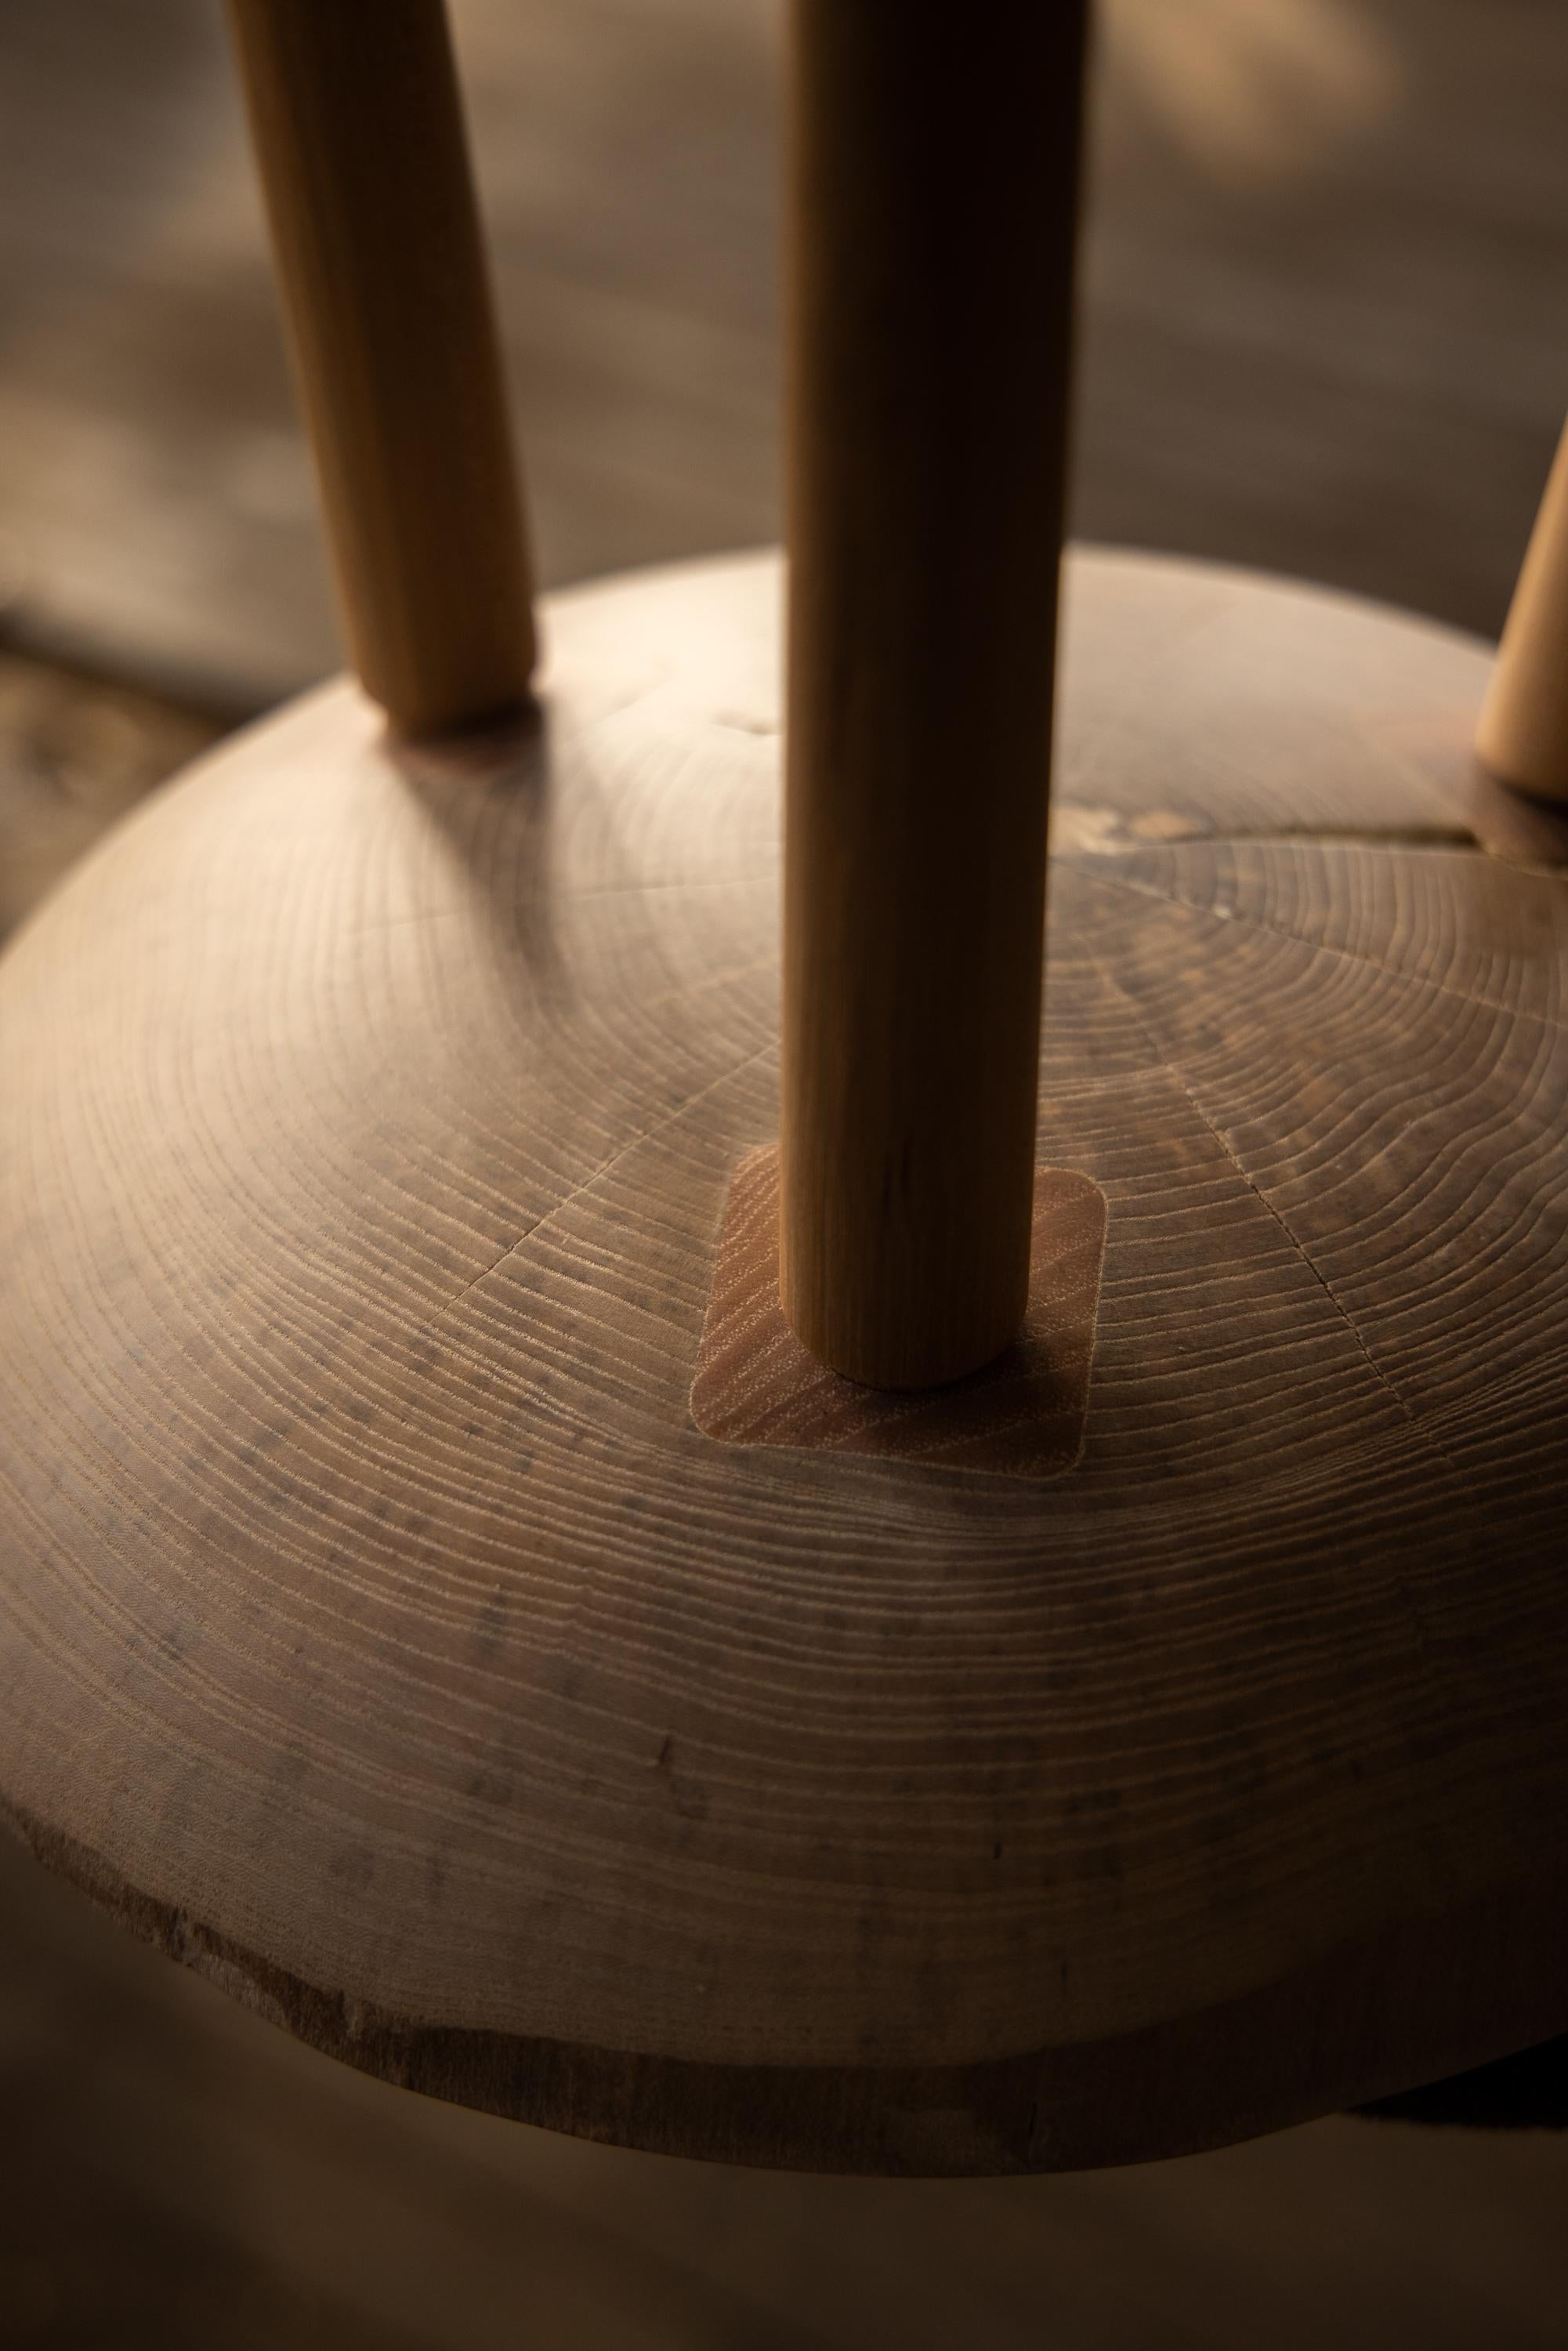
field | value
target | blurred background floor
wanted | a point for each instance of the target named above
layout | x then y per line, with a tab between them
1324	332
1324	325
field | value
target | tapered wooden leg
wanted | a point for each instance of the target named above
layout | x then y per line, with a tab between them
359	131
1524	731
933	180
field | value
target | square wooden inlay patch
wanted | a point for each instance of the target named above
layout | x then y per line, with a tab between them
1021	1416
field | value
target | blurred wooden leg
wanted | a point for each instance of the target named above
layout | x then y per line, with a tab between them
359	131
1524	731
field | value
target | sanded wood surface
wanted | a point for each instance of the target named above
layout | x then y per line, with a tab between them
359	132
1523	733
1020	1415
380	1635
929	363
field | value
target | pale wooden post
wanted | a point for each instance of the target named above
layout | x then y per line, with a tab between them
359	130
934	183
1524	731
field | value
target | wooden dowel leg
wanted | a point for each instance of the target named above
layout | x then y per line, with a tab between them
1524	731
933	180
359	130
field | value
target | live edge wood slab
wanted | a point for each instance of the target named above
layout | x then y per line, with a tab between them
380	1635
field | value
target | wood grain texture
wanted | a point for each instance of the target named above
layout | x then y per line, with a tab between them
1020	1415
929	352
359	130
1523	733
378	1633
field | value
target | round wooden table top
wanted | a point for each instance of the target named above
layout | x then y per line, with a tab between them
379	1633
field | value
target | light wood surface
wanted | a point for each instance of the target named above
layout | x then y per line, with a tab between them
360	136
378	1633
1524	731
929	333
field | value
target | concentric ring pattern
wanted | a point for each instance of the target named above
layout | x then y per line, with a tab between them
378	1630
